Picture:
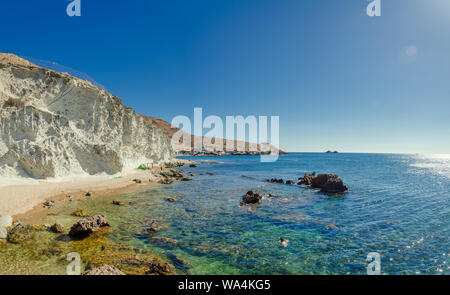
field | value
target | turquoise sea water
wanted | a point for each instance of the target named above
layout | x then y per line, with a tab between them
398	206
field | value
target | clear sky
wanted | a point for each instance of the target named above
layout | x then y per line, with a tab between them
337	78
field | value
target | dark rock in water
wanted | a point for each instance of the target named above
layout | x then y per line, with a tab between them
88	226
156	226
164	242
185	179
57	228
21	233
289	182
105	270
307	179
118	203
137	180
209	173
162	268
276	180
172	199
251	198
166	180
193	166
331	227
329	183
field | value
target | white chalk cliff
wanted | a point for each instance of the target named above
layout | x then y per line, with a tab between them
53	124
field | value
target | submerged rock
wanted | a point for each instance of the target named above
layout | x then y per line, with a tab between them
193	166
118	203
40	227
251	198
96	251
57	228
164	242
82	213
209	173
276	180
332	227
172	199
106	269
88	226
289	182
21	233
156	226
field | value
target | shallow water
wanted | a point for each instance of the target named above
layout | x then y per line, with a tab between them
397	206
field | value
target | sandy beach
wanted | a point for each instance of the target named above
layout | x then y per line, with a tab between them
20	200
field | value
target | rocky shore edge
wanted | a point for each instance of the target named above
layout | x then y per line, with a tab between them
88	232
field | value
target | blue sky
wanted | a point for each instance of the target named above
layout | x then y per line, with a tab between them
337	78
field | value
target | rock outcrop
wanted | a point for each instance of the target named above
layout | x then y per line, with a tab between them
88	226
105	270
21	233
328	183
251	198
307	179
53	124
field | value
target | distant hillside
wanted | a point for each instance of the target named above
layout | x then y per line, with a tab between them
170	130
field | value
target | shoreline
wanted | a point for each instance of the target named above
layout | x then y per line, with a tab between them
26	201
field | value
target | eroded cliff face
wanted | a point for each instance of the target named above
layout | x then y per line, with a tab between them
52	124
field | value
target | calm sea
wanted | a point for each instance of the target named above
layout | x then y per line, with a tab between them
398	206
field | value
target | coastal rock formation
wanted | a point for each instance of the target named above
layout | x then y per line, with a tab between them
57	228
307	179
21	233
105	270
88	226
276	180
328	183
251	198
53	124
